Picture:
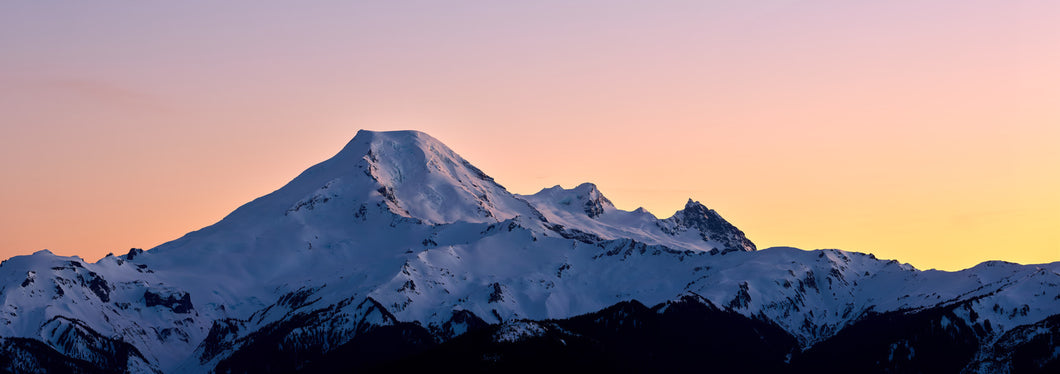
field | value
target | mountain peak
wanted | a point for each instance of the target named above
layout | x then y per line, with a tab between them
712	227
421	177
586	197
400	136
698	207
587	187
393	134
406	176
595	202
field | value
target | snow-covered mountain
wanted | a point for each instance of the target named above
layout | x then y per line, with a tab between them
399	242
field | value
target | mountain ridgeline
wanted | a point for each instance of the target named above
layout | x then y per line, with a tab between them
398	254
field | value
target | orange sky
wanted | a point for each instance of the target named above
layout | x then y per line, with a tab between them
924	131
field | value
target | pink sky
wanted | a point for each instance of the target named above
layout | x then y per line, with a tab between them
924	131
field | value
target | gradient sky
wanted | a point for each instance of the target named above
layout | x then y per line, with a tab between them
924	131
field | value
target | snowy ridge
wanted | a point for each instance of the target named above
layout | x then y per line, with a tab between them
397	230
587	211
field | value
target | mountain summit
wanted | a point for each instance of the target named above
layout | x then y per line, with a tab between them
409	172
397	251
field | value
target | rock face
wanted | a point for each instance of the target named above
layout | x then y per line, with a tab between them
711	228
397	253
179	303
